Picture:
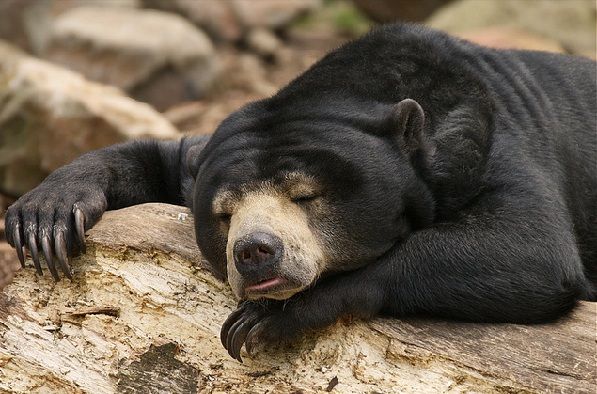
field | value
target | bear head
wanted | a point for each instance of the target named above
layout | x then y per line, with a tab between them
285	195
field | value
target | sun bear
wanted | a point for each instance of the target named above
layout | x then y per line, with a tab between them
407	172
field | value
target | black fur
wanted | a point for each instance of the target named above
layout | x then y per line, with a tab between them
487	213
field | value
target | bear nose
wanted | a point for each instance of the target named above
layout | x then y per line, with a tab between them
257	253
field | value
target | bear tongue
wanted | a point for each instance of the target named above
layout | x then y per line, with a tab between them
266	284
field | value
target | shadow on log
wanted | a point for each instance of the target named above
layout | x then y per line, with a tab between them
143	314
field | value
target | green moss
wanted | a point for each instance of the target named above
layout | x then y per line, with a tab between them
348	20
342	16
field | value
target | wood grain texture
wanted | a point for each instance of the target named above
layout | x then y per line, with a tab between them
143	315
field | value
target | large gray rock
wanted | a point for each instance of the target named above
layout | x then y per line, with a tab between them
229	20
273	14
158	57
49	116
27	23
216	18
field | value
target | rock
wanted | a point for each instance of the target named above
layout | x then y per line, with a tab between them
385	11
140	51
49	116
246	79
203	117
247	72
186	116
265	44
570	23
271	14
12	26
27	23
143	314
511	38
230	20
216	18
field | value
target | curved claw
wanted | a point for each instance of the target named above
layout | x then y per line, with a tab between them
61	253
232	350
80	226
18	244
228	323
239	337
21	254
32	245
251	338
47	249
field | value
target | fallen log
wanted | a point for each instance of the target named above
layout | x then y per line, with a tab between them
143	314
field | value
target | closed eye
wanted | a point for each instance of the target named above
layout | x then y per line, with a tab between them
304	198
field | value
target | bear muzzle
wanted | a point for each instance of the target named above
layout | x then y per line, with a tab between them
257	257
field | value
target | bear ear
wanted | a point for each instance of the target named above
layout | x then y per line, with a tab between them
408	120
193	157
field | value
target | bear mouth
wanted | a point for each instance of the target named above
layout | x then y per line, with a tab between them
267	284
271	288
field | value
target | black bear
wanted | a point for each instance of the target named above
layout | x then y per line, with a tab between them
406	172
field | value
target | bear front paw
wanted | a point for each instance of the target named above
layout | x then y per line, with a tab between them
256	323
51	221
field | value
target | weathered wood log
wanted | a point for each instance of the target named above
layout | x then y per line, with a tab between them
143	314
8	265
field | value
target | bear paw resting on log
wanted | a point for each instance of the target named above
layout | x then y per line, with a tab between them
406	172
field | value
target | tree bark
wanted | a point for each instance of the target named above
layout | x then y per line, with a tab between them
143	315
